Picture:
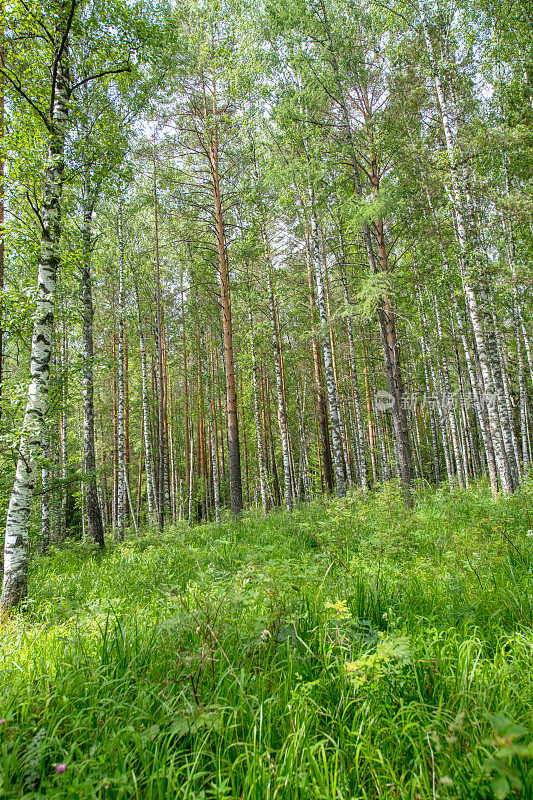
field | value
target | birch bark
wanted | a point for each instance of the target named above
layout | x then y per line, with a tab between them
119	530
15	578
46	522
360	438
263	485
149	464
505	476
333	401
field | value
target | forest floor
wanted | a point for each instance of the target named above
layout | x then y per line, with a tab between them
354	650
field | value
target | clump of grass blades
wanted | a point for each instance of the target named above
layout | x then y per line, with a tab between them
358	651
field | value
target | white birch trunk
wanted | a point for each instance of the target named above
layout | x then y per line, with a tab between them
522	395
119	530
64	418
481	410
462	469
333	400
263	484
148	460
46	526
191	478
15	578
279	392
473	309
440	412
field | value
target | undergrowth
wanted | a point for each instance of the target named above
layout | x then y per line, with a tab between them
354	650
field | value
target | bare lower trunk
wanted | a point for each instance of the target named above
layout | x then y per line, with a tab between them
94	515
522	394
462	471
211	417
2	135
263	486
279	392
333	400
322	408
119	530
360	440
161	472
46	526
149	464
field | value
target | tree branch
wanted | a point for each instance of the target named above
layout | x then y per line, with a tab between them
117	71
35	210
18	88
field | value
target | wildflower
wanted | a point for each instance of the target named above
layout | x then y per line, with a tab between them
529	534
2	721
340	609
60	768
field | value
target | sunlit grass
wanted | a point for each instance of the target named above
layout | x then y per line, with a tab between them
355	650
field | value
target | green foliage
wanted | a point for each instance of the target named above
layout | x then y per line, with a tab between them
354	650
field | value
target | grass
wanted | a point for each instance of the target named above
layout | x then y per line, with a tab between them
355	650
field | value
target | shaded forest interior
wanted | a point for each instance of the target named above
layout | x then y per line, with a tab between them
281	253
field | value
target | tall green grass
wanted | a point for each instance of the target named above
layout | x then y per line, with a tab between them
353	650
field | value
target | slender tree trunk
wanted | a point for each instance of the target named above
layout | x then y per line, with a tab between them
360	442
15	578
234	453
46	527
371	432
273	465
119	530
94	514
64	354
191	479
161	466
505	396
279	389
149	468
333	400
212	432
185	388
2	235
263	485
166	434
430	366
322	407
462	470
522	394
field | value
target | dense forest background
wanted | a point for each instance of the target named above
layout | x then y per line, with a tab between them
281	251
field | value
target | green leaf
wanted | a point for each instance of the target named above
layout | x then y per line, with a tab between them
500	787
504	727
